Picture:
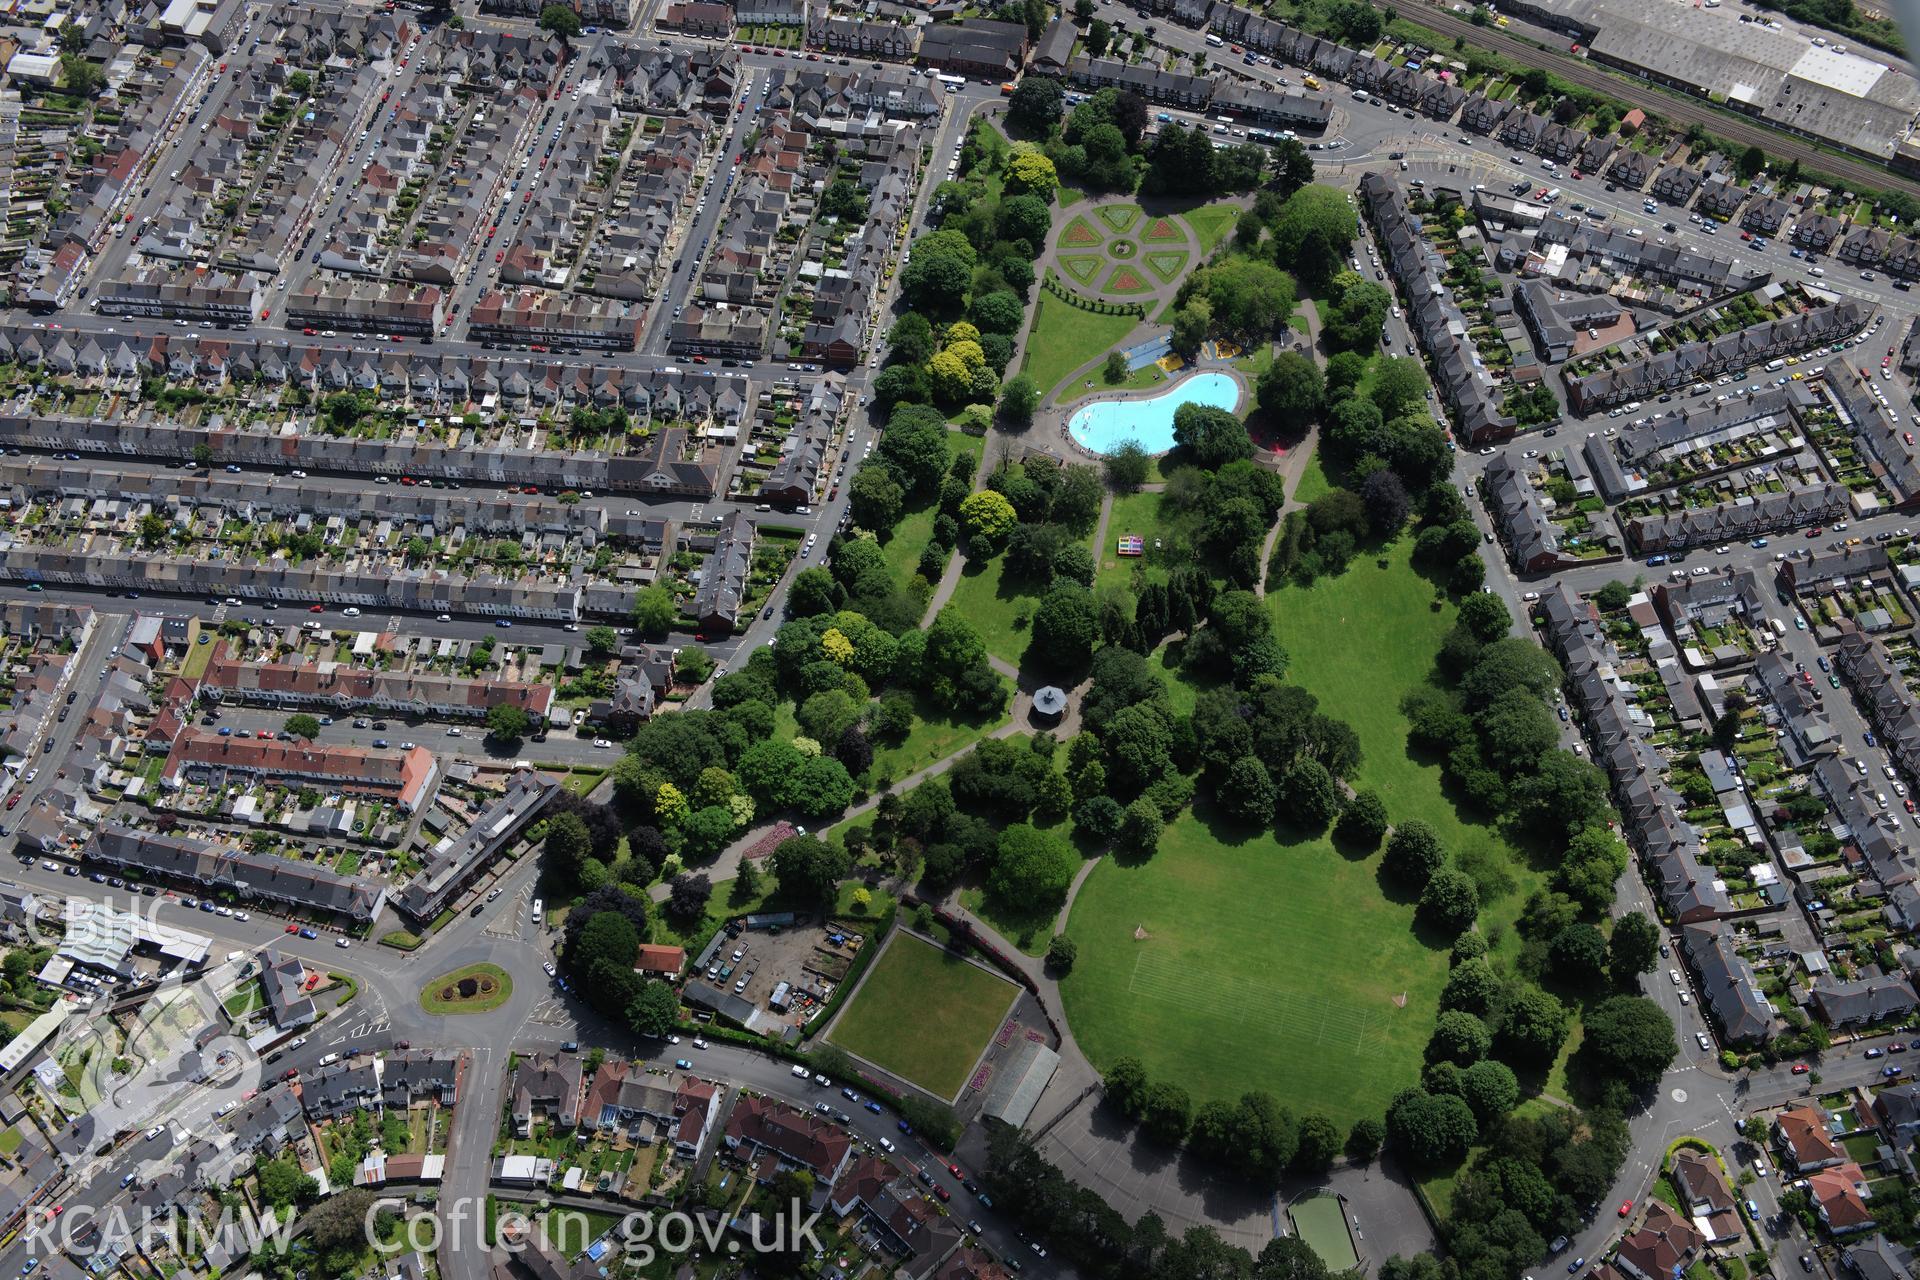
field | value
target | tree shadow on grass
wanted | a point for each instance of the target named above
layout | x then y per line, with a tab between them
1128	858
1393	888
1432	936
1231	832
1025	925
1291	833
1351	849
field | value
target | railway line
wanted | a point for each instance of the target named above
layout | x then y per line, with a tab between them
1676	107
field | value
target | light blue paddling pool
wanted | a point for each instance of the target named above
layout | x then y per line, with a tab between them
1104	425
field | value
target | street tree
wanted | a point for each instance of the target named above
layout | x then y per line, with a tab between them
1364	1140
1246	794
1632	948
1018	397
1430	1131
1490	1088
1036	104
654	1010
1065	628
687	897
1212	437
874	498
1307	796
1628	1039
1290	391
507	723
1459	1037
1533	1026
559	20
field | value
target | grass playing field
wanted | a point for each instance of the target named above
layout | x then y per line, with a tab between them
1284	966
1262	966
1389	611
924	1015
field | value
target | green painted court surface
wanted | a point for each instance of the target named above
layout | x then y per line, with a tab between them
924	1015
1322	1226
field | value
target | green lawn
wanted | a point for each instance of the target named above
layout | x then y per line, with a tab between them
246	999
1028	929
1255	362
910	537
198	657
1389	611
1264	966
721	907
992	605
993	180
1184	687
924	1015
1313	482
935	735
1210	224
1064	337
1132	513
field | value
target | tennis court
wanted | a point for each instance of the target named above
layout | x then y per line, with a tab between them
1321	1221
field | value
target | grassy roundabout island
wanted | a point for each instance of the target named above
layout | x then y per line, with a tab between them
477	988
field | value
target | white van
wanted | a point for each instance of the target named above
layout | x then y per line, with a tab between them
1775	366
329	1060
539	909
233	956
1214	40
